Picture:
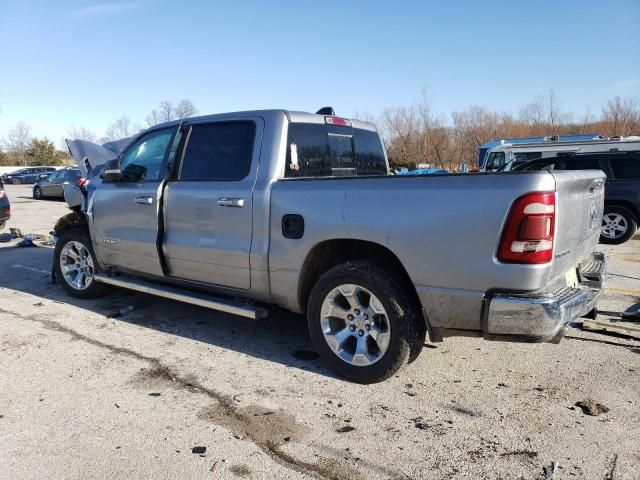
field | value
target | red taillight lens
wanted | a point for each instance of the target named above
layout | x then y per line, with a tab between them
343	122
80	181
529	232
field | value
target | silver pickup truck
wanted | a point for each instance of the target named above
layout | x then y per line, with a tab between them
235	211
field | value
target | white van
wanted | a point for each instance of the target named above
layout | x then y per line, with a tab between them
508	155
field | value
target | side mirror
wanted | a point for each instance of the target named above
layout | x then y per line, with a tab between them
112	170
43	176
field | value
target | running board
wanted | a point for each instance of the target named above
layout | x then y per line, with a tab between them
194	298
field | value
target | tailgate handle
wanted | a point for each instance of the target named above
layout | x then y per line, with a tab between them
597	183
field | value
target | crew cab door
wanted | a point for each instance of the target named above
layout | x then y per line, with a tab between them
208	203
125	212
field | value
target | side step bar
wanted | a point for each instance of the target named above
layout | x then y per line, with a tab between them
194	298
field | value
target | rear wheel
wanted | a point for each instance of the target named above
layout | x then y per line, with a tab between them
363	323
619	224
37	193
75	265
16	181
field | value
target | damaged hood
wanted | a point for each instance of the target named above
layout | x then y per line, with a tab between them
90	156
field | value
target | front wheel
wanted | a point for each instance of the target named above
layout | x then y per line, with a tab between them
75	265
363	323
37	193
16	181
618	225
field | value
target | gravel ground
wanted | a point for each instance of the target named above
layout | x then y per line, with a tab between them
83	395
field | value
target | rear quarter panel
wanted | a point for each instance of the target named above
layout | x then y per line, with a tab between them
445	231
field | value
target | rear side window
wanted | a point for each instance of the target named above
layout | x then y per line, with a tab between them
219	151
495	161
625	165
520	157
582	163
316	150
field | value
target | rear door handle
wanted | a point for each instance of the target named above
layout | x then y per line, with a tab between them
231	202
144	200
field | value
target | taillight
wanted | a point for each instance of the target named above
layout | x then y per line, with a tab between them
80	181
343	122
529	232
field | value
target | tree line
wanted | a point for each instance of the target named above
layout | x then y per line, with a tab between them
415	135
20	147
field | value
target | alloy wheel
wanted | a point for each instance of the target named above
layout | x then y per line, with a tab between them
355	325
76	265
614	225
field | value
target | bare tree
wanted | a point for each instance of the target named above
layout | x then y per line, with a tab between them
17	141
185	109
81	133
622	114
153	118
121	128
166	111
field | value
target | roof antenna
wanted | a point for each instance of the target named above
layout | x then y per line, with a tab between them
326	111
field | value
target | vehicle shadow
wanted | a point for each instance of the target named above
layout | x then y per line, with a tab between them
281	338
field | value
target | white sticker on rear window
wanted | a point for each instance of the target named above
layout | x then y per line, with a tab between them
294	157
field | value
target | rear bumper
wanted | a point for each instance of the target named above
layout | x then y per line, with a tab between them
543	317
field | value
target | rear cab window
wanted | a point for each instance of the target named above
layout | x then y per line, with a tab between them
319	150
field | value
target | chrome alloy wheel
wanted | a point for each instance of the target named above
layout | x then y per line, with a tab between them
76	265
355	325
614	225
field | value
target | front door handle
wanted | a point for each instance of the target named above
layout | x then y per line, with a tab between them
231	202
144	200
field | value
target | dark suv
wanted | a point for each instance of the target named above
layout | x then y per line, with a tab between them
5	208
622	190
52	185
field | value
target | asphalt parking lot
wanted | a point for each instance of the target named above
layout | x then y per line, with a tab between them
85	395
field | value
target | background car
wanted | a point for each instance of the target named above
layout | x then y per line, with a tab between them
26	175
622	189
51	185
5	207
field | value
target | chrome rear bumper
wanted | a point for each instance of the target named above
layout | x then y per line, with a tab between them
542	316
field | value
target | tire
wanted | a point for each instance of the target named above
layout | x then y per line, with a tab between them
76	242
37	193
619	224
16	181
349	345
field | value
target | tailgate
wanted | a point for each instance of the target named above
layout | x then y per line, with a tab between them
579	203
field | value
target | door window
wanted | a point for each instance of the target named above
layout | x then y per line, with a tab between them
625	165
496	160
219	151
144	160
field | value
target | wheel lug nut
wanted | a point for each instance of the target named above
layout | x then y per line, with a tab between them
356	311
368	327
350	317
352	328
365	316
360	332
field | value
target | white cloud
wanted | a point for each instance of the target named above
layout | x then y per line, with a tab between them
104	9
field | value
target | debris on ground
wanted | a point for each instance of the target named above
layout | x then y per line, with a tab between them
612	468
591	407
27	241
120	313
346	429
199	450
524	453
155	394
628	326
550	471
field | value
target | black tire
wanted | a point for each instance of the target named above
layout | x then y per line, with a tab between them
629	220
407	331
79	235
37	193
16	181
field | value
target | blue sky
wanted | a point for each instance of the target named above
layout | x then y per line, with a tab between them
89	62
